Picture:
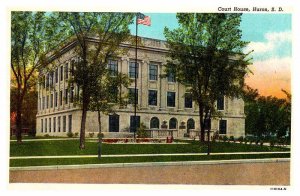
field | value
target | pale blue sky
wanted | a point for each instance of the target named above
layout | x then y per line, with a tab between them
254	26
270	36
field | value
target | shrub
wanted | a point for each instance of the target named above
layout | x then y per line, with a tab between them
225	138
220	138
91	134
257	141
76	134
70	134
231	138
46	135
141	131
241	139
32	133
100	135
261	142
246	141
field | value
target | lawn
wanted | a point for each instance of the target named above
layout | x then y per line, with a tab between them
70	147
78	161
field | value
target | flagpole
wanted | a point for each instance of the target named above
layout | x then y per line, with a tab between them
135	76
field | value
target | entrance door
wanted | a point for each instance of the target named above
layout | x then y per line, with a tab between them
114	123
132	124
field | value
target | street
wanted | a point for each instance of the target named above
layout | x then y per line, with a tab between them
273	173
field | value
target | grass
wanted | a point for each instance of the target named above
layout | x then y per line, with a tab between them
70	147
77	161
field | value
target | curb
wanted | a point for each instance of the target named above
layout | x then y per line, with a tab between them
150	164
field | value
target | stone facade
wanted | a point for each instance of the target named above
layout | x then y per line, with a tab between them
58	115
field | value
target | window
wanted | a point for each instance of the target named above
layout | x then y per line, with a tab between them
47	80
112	67
58	124
152	97
154	123
131	96
223	126
61	73
45	125
56	75
54	124
72	67
49	124
66	71
55	100
60	97
42	125
134	123
171	77
132	69
51	100
51	78
113	94
47	101
113	122
190	124
220	103
66	96
171	99
43	102
153	72
173	123
71	94
188	101
70	123
64	123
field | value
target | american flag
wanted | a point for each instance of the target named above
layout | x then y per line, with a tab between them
143	19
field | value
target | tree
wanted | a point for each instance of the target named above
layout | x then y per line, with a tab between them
206	55
266	115
98	37
106	94
32	36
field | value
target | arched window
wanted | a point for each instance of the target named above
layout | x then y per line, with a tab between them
190	124
173	123
154	123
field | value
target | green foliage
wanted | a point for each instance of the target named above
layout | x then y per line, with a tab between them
98	89
206	55
32	37
231	138
70	134
141	131
76	134
267	116
225	138
100	135
47	135
241	139
91	134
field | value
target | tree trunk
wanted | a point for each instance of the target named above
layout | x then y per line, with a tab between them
85	104
19	121
201	123
99	122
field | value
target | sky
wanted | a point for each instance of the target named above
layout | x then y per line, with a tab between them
270	37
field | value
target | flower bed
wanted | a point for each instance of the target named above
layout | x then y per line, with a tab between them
131	140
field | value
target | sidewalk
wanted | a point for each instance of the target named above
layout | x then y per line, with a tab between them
144	155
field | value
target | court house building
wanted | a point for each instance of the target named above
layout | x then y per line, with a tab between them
163	105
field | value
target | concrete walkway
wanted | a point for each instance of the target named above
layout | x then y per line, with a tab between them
143	155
